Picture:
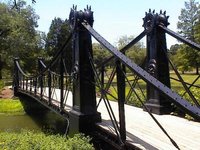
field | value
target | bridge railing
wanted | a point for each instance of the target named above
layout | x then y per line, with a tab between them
52	84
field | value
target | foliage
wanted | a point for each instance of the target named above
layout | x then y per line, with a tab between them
57	35
188	18
136	53
100	54
188	27
19	37
180	60
11	106
27	140
134	101
195	92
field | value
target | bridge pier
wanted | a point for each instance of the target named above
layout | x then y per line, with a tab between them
158	65
84	114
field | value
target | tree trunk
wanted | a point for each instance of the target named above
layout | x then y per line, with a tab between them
197	70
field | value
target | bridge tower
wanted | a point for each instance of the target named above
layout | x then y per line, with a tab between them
84	113
157	61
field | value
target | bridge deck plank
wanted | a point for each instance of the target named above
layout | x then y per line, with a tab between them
142	131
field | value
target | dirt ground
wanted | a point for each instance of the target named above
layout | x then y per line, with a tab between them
7	92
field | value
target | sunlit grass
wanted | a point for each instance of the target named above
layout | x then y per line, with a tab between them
11	106
175	86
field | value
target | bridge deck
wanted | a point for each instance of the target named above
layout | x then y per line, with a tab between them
143	132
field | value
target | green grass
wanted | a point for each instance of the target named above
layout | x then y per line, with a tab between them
1	85
11	106
175	85
28	140
189	78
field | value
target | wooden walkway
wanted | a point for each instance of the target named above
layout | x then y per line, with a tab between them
143	132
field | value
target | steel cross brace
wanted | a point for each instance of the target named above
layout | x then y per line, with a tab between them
178	100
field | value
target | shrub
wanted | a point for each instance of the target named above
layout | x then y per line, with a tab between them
26	140
194	91
134	101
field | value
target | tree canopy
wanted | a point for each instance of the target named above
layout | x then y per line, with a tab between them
189	27
19	37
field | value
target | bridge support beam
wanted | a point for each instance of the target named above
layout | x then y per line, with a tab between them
158	65
84	114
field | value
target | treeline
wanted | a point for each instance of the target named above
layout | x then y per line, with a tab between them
19	37
184	57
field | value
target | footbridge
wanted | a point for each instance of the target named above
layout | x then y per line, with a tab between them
75	87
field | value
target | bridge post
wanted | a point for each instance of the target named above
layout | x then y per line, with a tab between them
84	114
16	77
120	69
158	65
40	79
61	84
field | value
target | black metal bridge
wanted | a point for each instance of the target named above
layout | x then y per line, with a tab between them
73	86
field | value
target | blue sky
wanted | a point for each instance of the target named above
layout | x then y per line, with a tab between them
112	18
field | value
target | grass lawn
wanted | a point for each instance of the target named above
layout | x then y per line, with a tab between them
175	85
188	78
11	106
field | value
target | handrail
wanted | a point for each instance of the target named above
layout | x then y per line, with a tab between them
20	69
42	63
54	73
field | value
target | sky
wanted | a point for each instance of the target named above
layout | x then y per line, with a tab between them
112	18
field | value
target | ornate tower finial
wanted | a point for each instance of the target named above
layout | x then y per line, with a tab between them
152	19
77	17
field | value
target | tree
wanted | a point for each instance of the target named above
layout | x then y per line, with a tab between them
188	20
19	38
173	49
100	54
15	3
137	52
178	57
58	32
